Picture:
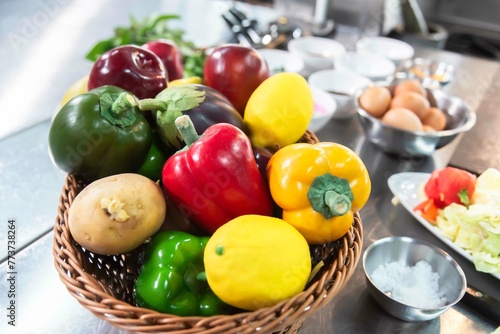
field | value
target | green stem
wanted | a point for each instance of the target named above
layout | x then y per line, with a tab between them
339	204
186	129
330	195
152	104
118	109
202	276
315	270
123	103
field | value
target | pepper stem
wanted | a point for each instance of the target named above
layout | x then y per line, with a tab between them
123	103
118	109
202	276
186	129
339	204
330	195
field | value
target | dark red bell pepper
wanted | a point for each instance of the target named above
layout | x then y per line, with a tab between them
215	178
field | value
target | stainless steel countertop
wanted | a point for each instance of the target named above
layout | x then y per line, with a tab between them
30	185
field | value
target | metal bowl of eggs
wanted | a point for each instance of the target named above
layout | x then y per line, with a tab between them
408	120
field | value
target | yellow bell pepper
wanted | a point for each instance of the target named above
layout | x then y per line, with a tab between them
319	187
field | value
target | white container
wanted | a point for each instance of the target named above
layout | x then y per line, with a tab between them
324	108
341	85
369	65
318	53
282	61
395	50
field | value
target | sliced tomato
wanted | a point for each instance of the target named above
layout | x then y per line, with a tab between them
450	185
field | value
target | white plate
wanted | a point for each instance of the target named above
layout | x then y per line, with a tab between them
406	187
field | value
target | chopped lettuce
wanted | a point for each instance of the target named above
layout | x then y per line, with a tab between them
487	187
485	262
475	229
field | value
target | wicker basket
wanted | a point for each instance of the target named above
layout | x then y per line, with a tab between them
103	284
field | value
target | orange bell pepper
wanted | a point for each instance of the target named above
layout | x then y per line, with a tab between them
319	187
428	210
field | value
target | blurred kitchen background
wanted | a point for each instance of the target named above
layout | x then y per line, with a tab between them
463	26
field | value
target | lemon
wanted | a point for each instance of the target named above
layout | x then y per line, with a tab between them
279	111
185	81
256	261
78	87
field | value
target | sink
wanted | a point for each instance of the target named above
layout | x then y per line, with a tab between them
473	45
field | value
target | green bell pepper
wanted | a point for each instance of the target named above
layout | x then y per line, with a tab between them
99	133
155	159
172	277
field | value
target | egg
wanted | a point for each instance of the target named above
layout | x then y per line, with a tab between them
412	101
428	128
375	100
410	86
435	118
402	118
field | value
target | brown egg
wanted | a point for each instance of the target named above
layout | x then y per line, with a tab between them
375	100
435	118
428	128
403	118
410	86
413	101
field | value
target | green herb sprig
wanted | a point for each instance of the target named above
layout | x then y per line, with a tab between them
151	28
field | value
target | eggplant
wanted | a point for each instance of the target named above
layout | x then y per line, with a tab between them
204	105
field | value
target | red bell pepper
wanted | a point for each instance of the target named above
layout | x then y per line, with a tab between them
450	185
215	178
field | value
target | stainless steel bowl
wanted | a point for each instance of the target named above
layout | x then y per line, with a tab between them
452	281
431	73
459	119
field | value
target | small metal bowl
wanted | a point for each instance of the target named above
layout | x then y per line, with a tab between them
452	282
431	73
459	119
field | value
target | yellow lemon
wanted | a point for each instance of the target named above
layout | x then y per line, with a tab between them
279	110
256	261
78	87
185	81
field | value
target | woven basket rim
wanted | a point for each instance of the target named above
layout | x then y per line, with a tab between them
97	298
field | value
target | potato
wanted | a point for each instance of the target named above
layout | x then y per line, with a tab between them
117	213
